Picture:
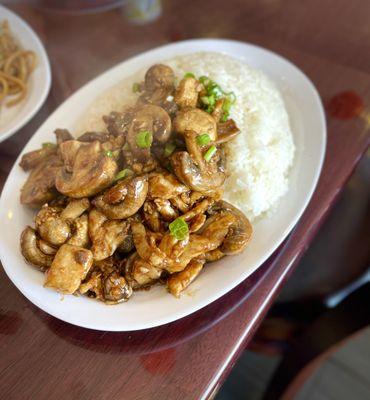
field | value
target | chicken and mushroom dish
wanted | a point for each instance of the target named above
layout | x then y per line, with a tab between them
139	203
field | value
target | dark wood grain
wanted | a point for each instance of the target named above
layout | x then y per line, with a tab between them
44	358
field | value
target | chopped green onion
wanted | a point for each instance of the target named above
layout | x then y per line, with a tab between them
136	87
179	229
144	139
224	117
126	147
226	105
108	153
231	96
123	174
209	153
169	149
48	144
189	75
215	90
203	139
204	79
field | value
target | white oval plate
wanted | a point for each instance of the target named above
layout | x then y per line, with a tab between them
156	307
13	118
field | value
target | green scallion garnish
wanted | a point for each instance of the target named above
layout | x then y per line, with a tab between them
189	75
144	139
48	144
209	153
124	173
136	87
179	229
108	153
203	139
169	149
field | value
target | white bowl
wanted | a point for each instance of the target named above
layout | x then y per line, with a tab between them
156	307
13	118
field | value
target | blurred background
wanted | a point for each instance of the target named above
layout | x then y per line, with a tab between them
315	341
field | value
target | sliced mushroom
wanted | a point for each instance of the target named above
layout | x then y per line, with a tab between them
159	76
68	269
187	91
239	233
152	119
106	235
124	199
92	136
40	185
116	288
195	120
80	236
226	131
191	168
32	252
62	135
75	208
118	123
179	281
51	227
87	173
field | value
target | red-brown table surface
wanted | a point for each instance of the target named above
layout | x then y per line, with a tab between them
44	358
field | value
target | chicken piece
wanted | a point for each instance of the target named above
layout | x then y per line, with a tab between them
140	273
194	171
87	169
152	217
116	289
62	135
40	185
93	284
106	235
187	91
69	267
164	185
80	236
214	255
179	281
32	251
124	199
195	120
34	158
165	209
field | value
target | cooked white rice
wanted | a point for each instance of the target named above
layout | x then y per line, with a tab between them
259	159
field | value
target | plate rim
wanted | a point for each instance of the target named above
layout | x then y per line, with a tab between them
47	78
210	299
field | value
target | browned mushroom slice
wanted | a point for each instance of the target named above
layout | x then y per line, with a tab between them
118	123
69	267
179	281
40	185
239	233
80	234
87	173
194	171
31	250
159	76
116	288
124	199
63	135
92	136
34	158
195	120
152	119
186	94
226	131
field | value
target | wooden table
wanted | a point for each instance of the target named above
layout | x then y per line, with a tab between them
44	358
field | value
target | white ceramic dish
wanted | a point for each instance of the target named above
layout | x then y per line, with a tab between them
156	307
13	118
